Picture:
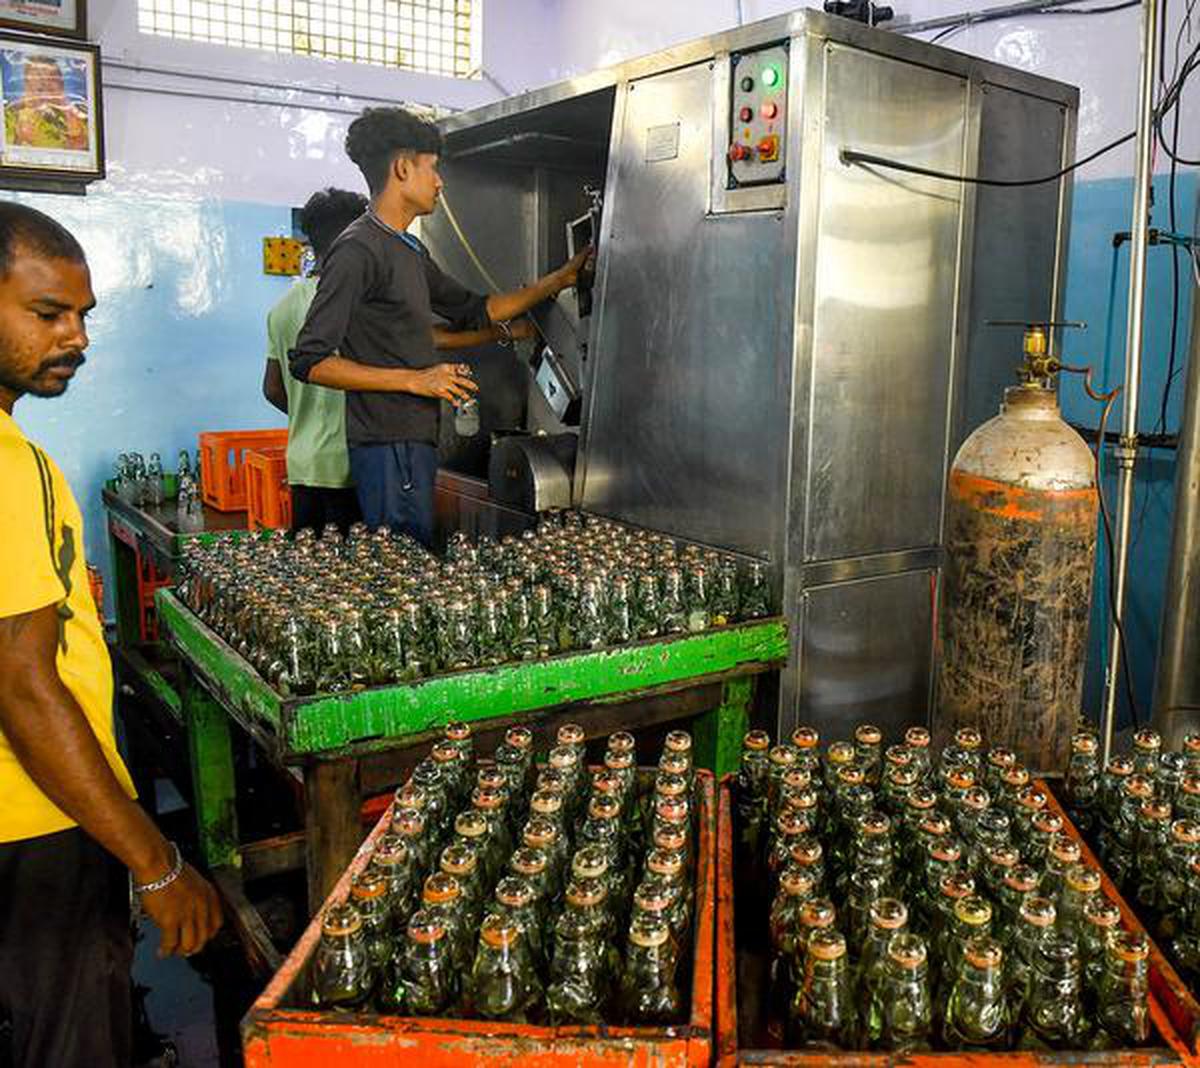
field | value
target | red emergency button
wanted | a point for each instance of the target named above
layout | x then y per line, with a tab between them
770	110
738	152
746	114
768	149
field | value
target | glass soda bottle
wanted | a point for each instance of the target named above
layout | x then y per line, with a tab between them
1124	1010
343	975
901	1011
428	975
1053	1016
577	989
648	993
369	894
977	1016
823	1014
504	984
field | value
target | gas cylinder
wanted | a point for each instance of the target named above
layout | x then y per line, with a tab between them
1020	540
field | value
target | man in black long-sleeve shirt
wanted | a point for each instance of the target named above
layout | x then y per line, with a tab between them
369	330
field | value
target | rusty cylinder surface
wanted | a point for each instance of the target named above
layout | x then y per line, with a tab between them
1020	541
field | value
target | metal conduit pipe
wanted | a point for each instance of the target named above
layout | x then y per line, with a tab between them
990	13
1126	452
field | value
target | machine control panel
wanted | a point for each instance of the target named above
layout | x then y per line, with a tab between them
758	116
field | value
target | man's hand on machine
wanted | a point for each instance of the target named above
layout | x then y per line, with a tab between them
448	381
568	273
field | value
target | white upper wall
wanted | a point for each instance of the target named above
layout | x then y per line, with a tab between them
181	117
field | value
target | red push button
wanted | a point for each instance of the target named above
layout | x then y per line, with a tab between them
739	152
770	110
768	149
746	114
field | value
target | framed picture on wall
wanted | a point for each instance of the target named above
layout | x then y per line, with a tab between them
63	18
53	114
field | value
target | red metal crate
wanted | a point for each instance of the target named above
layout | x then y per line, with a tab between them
268	498
275	1035
222	464
1172	1049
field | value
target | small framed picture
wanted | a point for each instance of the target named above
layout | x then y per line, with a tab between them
63	18
53	113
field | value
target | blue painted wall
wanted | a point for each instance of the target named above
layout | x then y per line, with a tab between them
177	337
1100	209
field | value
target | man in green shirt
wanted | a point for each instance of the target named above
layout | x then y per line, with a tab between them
318	464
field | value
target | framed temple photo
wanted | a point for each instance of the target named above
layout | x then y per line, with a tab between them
53	114
62	18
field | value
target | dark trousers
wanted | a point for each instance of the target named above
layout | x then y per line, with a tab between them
395	486
65	953
314	506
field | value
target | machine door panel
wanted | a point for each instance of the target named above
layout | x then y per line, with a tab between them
887	266
686	426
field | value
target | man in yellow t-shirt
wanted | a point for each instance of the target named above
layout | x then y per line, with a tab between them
71	835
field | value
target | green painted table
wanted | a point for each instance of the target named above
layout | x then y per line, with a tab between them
348	744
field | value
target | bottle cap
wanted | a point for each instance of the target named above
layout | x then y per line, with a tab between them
666	862
1186	832
917	737
782	756
1138	786
1031	799
827	944
459	859
1082	879
390	850
806	851
670	837
873	824
341	920
961	777
1101	912
589	863
519	738
922	799
1085	743
675	763
808	738
1155	810
840	754
756	741
868	734
1130	946
1119	766
898	756
649	931
968	738
607	807
652	895
458	731
1191	783
491	779
1023	879
1038	911
957	885
623	741
486	800
411	797
1047	822
670	785
370	885
562	758
1016	777
583	893
1147	740
425	927
440	888
889	913
514	892
470	824
445	752
945	850
907	950
973	911
977	799
678	741
1004	856
1001	757
545	802
499	932
935	824
408	823
983	952
570	734
1065	850
796	882
817	913
797	779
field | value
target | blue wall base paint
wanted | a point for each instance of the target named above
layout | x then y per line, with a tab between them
178	337
1100	209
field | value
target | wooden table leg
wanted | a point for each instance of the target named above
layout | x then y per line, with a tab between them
213	789
332	822
719	733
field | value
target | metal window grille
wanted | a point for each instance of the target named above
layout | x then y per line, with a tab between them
429	36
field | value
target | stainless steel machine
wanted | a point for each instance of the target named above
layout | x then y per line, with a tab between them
781	352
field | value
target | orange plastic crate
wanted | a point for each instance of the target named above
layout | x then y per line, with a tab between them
268	498
734	1047
278	1032
222	464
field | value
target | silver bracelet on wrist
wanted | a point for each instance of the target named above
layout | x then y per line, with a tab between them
505	339
166	880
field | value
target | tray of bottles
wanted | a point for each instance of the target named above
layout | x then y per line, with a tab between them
883	904
563	912
1140	816
331	614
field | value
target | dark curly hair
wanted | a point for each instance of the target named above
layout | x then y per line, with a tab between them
379	135
27	228
326	214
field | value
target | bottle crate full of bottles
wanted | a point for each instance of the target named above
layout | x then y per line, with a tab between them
880	901
520	905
